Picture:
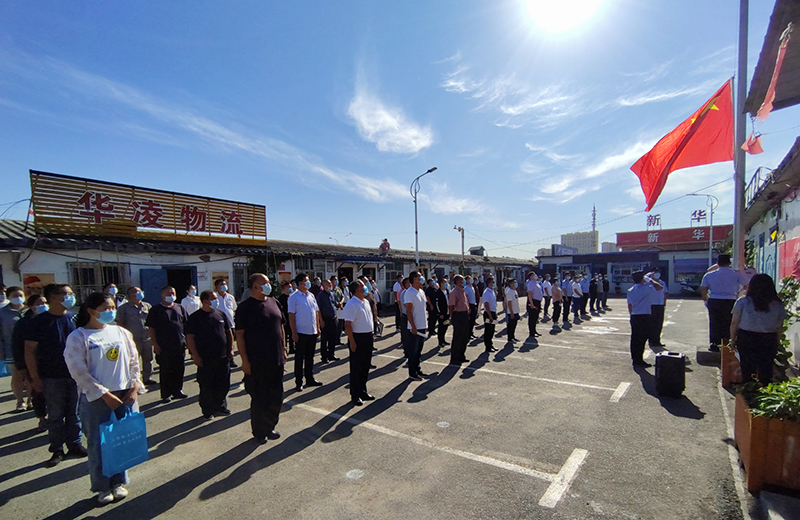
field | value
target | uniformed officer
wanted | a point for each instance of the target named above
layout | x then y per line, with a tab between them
640	301
719	289
658	310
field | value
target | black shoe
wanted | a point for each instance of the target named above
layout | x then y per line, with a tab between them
536	334
150	382
641	364
260	440
324	361
445	343
223	412
165	400
369	397
273	435
356	401
313	382
207	416
179	395
334	358
298	388
57	457
421	374
415	378
77	452
373	366
232	364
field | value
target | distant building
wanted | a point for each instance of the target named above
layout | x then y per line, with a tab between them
585	242
544	251
608	247
477	251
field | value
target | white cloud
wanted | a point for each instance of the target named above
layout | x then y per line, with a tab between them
441	199
650	74
623	160
454	58
652	96
387	127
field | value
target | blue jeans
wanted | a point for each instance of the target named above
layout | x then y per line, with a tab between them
93	414
61	398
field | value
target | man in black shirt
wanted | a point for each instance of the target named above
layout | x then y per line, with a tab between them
210	342
430	295
283	300
165	324
330	332
260	337
44	356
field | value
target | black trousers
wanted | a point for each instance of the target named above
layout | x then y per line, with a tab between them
757	352
547	303
533	316
432	317
640	332
304	358
567	305
719	320
287	330
171	370
460	321
556	312
328	337
403	330
657	312
397	314
360	360
584	301
265	386
442	330
512	325
214	378
592	300
473	317
488	329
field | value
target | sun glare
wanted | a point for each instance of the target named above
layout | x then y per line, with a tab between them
559	16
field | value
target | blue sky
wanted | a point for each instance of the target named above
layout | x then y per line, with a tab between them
325	111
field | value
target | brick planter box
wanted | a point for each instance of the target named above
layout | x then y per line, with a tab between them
768	448
729	367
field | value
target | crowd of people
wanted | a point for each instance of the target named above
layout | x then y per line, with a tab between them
76	370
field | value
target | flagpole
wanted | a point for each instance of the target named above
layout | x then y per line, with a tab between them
739	155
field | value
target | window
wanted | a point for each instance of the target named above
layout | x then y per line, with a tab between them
88	277
302	264
621	273
241	272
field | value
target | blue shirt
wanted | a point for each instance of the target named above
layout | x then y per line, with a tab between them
641	297
661	296
585	285
470	294
723	284
326	304
402	299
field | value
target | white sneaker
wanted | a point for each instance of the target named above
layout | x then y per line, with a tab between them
120	492
105	498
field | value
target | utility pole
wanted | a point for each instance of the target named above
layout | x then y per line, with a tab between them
414	189
739	156
461	229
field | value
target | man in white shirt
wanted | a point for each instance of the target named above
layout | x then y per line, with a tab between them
719	290
227	304
306	323
191	302
358	326
396	290
489	314
512	308
547	292
415	303
535	295
657	309
566	296
577	297
640	300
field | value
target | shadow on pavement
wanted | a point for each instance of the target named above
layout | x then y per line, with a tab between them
479	362
680	407
75	510
372	410
507	349
435	381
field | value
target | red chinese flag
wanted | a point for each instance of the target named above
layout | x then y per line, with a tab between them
704	138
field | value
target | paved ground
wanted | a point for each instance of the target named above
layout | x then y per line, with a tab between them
559	428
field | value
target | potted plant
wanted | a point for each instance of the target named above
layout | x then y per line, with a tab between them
730	368
767	433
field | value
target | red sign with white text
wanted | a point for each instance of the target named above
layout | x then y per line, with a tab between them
789	258
663	237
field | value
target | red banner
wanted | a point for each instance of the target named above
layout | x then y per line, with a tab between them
664	237
789	258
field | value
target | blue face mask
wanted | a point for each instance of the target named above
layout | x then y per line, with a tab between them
169	299
41	309
308	284
112	291
193	293
266	288
369	287
223	288
214	304
69	301
107	317
140	296
291	290
17	300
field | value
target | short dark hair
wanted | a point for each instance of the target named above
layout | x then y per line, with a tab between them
354	285
637	276
53	289
13	289
219	281
131	288
32	298
300	278
400	276
405	281
251	280
489	278
206	295
724	260
284	283
165	289
413	275
457	277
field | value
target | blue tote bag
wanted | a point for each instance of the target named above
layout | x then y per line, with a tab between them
123	442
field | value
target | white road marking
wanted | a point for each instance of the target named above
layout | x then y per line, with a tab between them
593	349
354	474
620	392
490	371
604	332
560	482
733	455
564	479
443	424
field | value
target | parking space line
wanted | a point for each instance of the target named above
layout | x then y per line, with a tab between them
490	371
593	349
619	393
560	482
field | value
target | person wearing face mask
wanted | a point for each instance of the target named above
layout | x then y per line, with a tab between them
593	295
338	304
132	315
458	304
535	295
283	302
3	299
327	309
113	291
44	356
558	297
472	298
36	304
227	304
371	299
210	343
430	297
306	322
397	288
584	281
547	293
260	335
566	296
191	303
358	326
657	310
512	308
577	297
103	361
489	315
166	323
9	316
606	288
600	295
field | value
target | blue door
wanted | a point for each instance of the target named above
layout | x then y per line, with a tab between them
152	280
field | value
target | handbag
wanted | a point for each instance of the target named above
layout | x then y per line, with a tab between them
123	442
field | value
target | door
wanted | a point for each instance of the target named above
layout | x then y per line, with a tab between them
152	280
181	278
346	271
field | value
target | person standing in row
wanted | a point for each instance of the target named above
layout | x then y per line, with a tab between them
472	298
430	298
44	356
459	317
103	361
592	294
512	308
547	293
165	324
305	321
358	326
489	315
534	303
396	290
640	301
585	284
261	340
600	293
415	303
442	310
9	316
190	302
283	300
403	316
577	297
606	288
36	305
327	311
132	315
338	305
657	310
555	291
227	304
719	290
566	297
113	291
210	343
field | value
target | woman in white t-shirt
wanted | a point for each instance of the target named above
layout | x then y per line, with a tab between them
103	360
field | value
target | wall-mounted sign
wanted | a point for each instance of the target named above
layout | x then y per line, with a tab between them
67	205
678	236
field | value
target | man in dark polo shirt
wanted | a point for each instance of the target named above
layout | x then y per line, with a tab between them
210	342
330	332
165	324
261	341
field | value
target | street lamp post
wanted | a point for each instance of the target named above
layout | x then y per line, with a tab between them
712	202
461	229
414	189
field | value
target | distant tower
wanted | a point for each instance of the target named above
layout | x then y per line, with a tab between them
594	218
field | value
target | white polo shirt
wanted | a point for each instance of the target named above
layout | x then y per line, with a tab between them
191	304
227	304
513	298
418	311
397	288
359	314
491	298
547	288
304	307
